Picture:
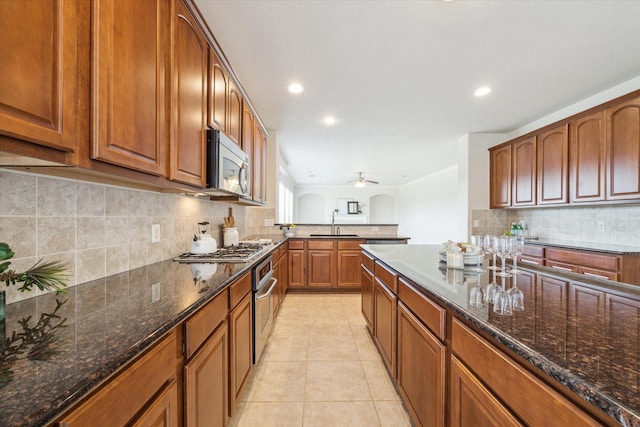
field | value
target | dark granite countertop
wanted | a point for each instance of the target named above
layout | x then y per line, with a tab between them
99	327
349	236
584	334
588	246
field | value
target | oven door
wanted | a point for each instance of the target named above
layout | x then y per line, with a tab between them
263	305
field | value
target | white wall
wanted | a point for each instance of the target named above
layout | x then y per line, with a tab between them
428	208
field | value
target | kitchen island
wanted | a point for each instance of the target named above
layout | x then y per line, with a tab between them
579	336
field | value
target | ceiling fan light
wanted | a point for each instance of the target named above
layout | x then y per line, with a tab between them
360	184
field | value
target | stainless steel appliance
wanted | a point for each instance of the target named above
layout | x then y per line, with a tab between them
228	166
244	251
263	284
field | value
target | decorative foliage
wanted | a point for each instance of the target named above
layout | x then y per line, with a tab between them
46	276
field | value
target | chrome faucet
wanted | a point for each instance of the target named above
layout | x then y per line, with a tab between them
338	230
333	222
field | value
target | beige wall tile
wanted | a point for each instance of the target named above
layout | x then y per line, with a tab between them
56	234
117	259
19	232
90	232
91	265
116	201
90	199
56	197
116	230
18	194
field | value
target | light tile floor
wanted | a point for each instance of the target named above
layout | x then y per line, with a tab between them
320	368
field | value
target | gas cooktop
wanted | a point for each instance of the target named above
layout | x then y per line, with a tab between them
244	251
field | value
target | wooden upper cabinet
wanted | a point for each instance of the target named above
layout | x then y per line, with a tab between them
553	166
190	96
523	187
259	163
218	92
500	177
39	71
623	151
234	114
247	142
587	158
130	69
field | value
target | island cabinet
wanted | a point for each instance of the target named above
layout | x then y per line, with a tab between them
553	166
488	384
385	314
240	338
131	84
39	84
146	392
206	368
321	263
523	186
367	286
421	358
623	150
190	74
280	272
297	257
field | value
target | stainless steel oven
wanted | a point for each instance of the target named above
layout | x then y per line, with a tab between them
263	284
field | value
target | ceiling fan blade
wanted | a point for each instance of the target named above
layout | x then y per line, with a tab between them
371	182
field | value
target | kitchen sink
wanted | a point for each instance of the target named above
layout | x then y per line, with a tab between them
333	235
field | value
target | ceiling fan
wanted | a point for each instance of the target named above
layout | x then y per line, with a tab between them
361	181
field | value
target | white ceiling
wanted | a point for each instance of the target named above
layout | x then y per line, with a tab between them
399	76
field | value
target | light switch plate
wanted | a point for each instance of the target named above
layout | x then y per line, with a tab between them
268	222
155	233
601	226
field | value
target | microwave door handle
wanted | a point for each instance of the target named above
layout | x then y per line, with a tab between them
262	295
244	183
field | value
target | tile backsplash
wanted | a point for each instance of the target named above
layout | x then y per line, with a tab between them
99	230
580	224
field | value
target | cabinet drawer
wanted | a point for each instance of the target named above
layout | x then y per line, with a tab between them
535	402
598	274
122	397
535	251
199	326
586	259
239	289
386	276
429	313
528	260
296	244
367	261
350	244
320	244
561	266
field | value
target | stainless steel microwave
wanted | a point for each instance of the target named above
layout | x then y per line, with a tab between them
228	169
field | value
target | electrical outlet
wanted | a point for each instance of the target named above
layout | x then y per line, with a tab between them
476	223
601	226
155	292
375	228
155	233
268	222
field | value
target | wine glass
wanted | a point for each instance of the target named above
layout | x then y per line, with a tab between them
502	301
491	289
504	251
517	246
490	245
478	242
517	296
476	294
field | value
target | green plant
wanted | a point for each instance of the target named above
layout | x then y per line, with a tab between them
46	276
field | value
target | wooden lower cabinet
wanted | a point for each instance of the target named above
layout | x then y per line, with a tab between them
321	263
297	264
145	393
206	383
472	404
366	280
241	349
384	326
421	370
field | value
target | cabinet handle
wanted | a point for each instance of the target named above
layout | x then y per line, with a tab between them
528	261
599	276
561	268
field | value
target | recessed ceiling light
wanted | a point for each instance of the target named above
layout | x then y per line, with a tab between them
482	91
329	121
295	87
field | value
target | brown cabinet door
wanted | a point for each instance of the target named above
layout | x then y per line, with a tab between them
241	354
218	93
421	370
587	158
623	151
206	385
297	268
553	166
163	412
322	266
366	280
349	268
472	404
500	177
385	324
190	96
523	186
130	69
259	163
39	71
247	143
234	114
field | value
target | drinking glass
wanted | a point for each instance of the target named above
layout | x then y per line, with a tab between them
476	294
517	246
504	251
490	245
491	289
517	296
478	242
502	301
